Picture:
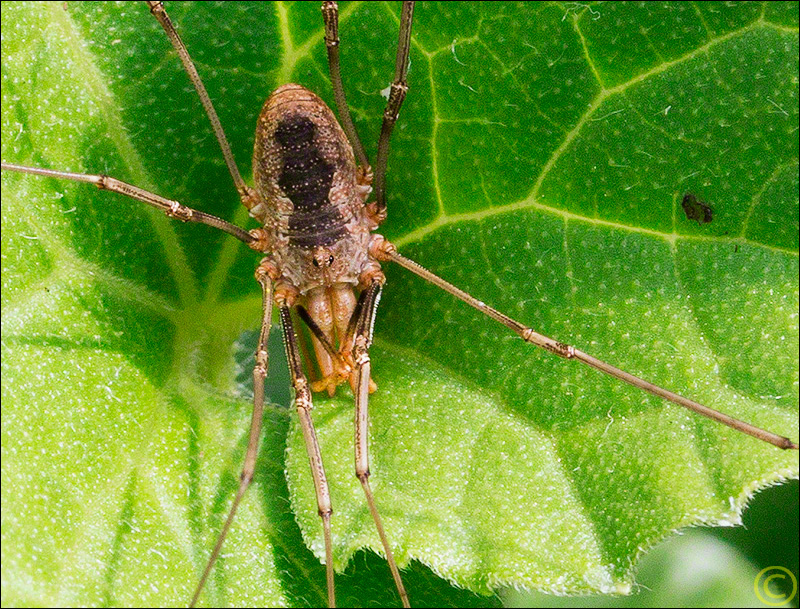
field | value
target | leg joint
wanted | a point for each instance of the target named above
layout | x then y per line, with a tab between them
380	249
360	354
178	211
396	97
376	214
249	196
285	294
330	11
302	398
267	267
564	350
262	358
560	349
553	346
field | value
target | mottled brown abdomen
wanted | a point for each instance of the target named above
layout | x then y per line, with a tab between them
305	174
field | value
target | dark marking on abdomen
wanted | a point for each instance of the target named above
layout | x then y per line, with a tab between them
306	179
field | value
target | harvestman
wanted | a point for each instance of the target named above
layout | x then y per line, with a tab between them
318	235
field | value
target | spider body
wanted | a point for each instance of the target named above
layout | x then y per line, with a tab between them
311	201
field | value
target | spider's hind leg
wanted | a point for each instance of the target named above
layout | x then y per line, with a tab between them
264	275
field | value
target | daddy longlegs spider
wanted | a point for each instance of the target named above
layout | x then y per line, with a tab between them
155	303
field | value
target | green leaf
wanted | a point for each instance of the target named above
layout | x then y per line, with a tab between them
539	162
693	570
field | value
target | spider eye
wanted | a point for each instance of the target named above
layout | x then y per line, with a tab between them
315	262
330	260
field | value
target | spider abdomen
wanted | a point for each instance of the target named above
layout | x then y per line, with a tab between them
313	205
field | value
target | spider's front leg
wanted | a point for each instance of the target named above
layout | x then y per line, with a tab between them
368	304
285	299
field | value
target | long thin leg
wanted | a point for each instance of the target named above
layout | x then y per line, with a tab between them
383	250
259	374
302	400
171	208
396	96
362	342
248	195
330	16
